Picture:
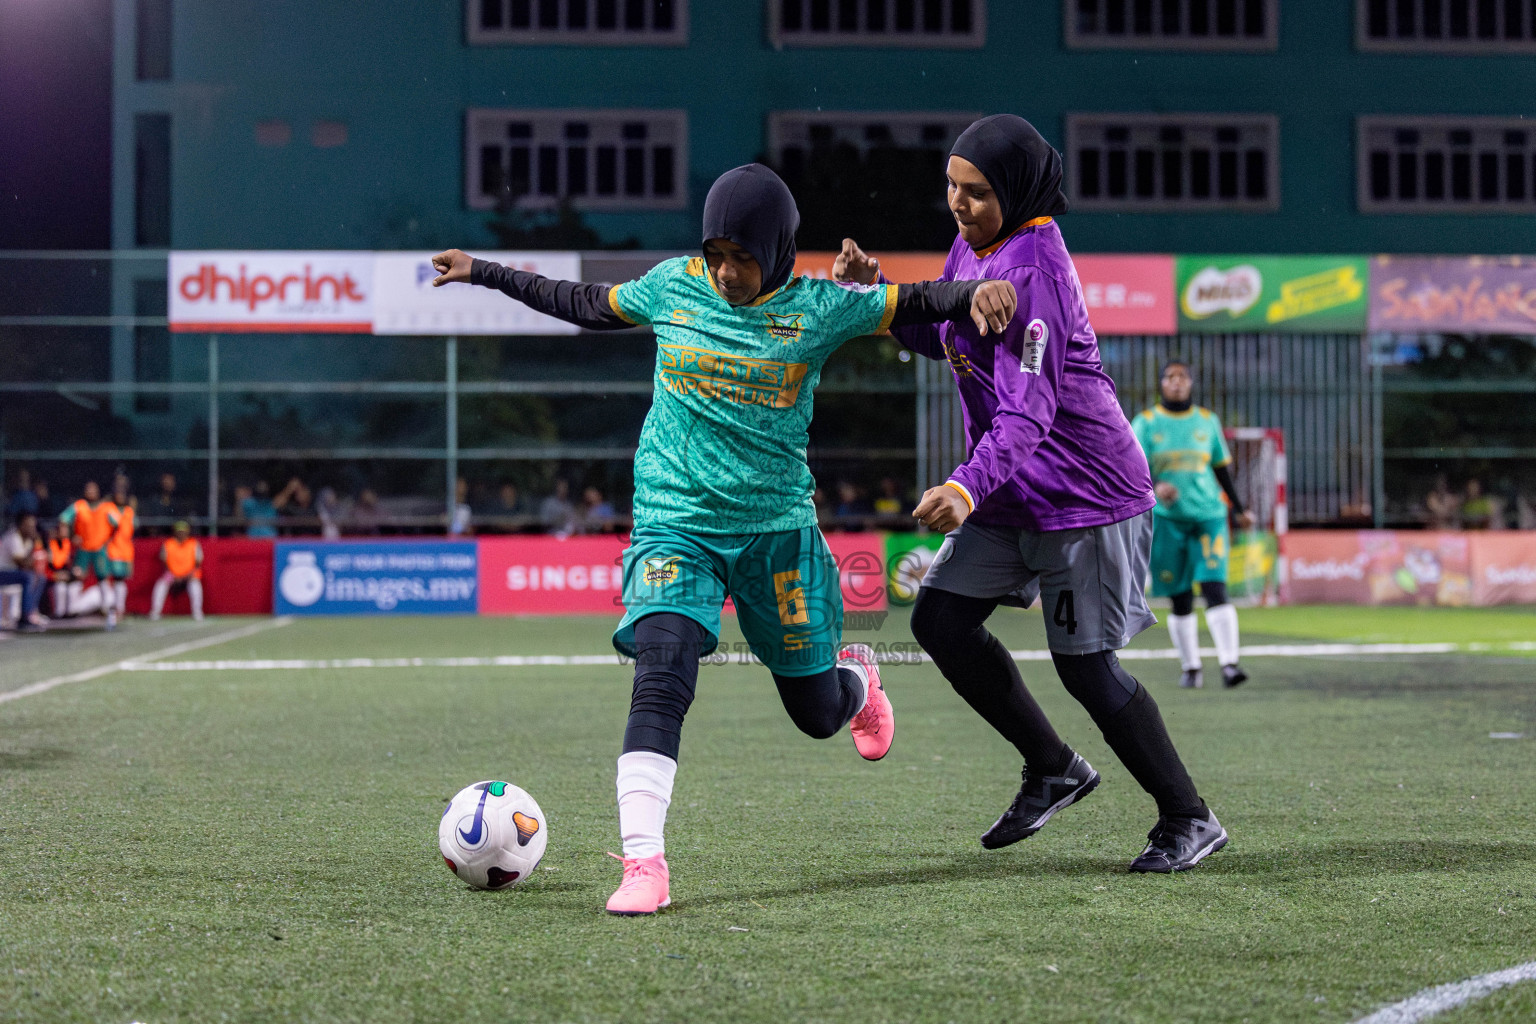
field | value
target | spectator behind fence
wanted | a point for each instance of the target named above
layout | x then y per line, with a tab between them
1481	511
461	521
166	504
259	511
23	499
182	557
364	521
18	568
890	502
328	508
46	509
508	506
295	502
1442	506
597	514
556	513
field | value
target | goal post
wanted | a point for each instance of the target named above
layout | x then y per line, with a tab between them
1258	472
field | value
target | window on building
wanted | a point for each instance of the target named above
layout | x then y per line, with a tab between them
596	159
796	136
152	179
1446	165
153	40
1173	162
328	134
1173	24
583	22
1447	26
273	133
933	23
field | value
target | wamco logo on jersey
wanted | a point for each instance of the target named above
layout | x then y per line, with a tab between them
258	291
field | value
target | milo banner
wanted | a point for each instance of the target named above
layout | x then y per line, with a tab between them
1294	294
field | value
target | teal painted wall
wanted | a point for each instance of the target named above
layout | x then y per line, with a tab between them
400	75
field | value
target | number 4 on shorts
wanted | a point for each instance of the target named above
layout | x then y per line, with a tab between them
1065	614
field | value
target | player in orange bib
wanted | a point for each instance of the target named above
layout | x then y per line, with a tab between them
60	568
120	544
91	522
182	557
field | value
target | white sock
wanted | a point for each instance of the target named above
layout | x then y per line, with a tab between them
863	677
645	791
108	607
195	591
1185	630
1222	622
122	595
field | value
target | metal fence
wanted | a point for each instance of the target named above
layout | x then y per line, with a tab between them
1318	389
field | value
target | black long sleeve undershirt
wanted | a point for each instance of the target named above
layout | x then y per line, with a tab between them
586	305
1224	477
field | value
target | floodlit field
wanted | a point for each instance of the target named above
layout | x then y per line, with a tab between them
249	844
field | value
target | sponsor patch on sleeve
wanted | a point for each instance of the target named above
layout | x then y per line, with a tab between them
1036	334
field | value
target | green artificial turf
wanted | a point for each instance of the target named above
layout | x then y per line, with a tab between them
261	845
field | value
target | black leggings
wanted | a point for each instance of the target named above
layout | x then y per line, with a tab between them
950	628
667	650
1214	592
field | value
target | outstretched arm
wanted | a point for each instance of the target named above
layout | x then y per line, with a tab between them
585	305
854	266
989	304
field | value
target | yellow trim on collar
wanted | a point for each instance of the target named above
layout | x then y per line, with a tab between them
989	250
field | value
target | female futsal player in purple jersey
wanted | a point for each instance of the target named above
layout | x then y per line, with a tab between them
1054	502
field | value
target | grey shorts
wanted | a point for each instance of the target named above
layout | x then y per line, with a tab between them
1091	579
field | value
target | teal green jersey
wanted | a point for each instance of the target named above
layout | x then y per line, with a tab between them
1183	449
723	447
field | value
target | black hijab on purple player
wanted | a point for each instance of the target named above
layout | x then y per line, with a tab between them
1022	168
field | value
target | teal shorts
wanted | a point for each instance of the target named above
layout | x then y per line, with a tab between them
1186	553
93	563
119	570
789	599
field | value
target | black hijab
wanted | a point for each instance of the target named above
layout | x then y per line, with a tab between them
1021	167
751	206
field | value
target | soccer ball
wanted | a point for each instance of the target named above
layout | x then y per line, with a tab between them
492	835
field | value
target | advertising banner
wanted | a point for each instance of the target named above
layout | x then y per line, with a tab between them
238	292
1470	295
345	577
405	302
1128	294
536	575
1503	567
1252	566
1125	294
1222	294
1378	567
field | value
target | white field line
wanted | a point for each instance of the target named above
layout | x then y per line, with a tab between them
897	657
1432	1001
45	685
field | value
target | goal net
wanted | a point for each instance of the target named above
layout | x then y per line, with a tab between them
1258	471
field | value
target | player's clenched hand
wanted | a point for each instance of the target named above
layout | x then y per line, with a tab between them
1245	520
451	266
854	264
943	509
1166	492
993	306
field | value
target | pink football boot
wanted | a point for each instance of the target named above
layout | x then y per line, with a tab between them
875	726
644	888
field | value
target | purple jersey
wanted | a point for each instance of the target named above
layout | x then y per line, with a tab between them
1050	447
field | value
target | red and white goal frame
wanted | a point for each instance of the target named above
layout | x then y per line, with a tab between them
1258	472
